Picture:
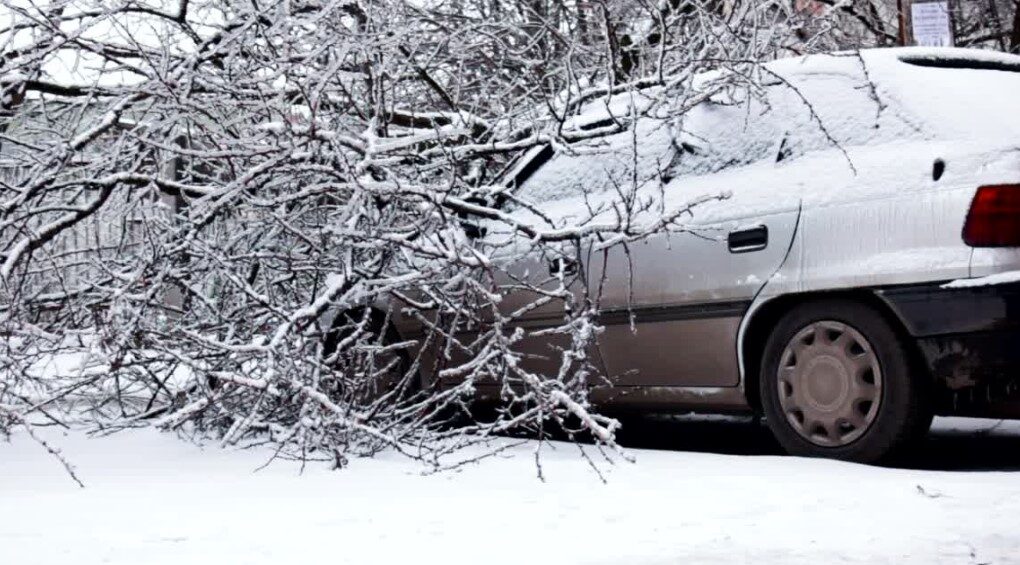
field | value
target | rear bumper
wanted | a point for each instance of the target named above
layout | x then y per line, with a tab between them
969	340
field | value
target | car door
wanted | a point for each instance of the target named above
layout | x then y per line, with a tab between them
672	305
536	289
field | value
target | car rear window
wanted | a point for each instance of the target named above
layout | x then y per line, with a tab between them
956	94
950	61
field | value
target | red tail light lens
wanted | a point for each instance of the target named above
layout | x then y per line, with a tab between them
994	218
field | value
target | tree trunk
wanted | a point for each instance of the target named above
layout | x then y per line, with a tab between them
996	24
903	6
1014	42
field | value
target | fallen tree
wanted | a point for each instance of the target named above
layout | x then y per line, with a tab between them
221	211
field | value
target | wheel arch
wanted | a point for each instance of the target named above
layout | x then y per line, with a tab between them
764	315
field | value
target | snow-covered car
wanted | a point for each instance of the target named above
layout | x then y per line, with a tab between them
857	278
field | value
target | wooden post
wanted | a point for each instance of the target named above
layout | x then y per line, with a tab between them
906	38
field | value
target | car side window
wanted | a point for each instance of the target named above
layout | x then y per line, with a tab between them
715	136
824	111
618	162
787	119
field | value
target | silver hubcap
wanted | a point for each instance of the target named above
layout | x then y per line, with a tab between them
830	384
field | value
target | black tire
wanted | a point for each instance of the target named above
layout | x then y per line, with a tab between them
903	414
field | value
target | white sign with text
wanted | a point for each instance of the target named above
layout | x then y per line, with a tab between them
931	24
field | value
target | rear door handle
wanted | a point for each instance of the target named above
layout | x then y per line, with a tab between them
748	240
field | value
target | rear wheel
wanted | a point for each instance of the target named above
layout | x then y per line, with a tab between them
837	381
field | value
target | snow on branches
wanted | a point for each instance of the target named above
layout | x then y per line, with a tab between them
299	222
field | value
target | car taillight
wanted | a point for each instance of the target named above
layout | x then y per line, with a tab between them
994	218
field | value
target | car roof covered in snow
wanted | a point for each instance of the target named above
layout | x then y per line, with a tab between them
949	87
825	102
954	92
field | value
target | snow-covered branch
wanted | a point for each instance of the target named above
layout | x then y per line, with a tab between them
303	223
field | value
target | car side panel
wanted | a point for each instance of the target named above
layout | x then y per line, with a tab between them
894	223
913	236
541	349
672	305
985	262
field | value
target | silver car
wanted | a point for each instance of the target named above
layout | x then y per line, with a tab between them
856	275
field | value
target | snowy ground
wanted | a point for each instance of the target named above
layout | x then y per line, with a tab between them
154	499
